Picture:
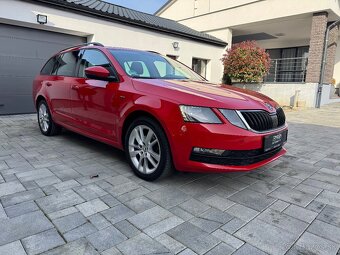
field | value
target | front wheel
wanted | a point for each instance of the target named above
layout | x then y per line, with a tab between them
147	149
46	124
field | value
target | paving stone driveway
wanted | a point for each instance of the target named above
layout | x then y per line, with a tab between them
51	205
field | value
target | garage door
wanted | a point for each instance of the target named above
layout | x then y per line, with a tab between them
23	52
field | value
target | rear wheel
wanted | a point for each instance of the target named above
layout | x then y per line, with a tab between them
147	149
46	123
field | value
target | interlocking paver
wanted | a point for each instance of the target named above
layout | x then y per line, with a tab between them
252	199
9	188
14	248
193	237
106	238
266	237
41	242
283	221
79	232
142	244
23	226
92	207
325	230
59	201
20	209
312	244
292	196
118	213
289	206
78	247
69	222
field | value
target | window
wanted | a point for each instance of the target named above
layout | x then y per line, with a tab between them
148	65
67	63
48	67
200	66
94	58
136	68
288	64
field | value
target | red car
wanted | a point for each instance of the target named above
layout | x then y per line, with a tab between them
162	113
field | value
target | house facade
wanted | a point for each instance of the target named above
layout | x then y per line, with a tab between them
31	31
293	33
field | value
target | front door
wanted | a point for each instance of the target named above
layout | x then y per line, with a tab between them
94	101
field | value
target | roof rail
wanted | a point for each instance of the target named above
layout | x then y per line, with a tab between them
84	44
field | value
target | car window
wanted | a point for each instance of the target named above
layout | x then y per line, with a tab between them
94	58
48	67
149	65
136	68
67	63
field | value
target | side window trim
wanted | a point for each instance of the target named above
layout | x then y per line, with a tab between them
108	60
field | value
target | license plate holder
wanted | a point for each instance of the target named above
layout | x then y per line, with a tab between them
274	141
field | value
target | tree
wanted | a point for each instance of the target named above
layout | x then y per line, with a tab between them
246	62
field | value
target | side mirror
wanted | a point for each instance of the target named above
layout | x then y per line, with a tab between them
99	73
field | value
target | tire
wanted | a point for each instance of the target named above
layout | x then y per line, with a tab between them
46	124
148	154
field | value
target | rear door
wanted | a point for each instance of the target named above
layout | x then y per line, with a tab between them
94	102
59	84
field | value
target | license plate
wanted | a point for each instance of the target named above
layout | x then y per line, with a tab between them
275	140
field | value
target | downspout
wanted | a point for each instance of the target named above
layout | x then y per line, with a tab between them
323	64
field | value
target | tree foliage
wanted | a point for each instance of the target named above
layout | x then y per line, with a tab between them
246	62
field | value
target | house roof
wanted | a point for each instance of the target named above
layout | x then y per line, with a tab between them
125	15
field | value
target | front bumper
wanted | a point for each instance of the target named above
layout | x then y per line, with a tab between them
244	148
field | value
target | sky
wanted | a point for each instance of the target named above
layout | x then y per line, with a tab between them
148	6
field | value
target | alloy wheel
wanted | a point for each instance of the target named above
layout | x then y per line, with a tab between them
44	118
144	149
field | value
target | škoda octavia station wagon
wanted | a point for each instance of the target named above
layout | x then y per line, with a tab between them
159	111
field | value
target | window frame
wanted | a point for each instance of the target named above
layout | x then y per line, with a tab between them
81	54
206	66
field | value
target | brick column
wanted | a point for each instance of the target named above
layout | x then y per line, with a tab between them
317	37
331	52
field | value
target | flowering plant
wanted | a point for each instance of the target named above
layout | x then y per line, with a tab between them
246	62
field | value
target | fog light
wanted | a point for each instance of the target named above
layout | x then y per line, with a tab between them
208	151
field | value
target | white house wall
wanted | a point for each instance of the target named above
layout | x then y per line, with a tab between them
112	34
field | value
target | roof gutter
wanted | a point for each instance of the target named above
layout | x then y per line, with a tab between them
80	8
323	64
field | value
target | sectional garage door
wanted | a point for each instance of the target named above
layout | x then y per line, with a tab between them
23	52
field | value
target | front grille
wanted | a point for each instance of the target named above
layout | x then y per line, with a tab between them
264	121
236	158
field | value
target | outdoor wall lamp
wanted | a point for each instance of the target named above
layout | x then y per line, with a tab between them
41	19
175	45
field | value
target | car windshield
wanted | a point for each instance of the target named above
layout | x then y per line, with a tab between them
148	65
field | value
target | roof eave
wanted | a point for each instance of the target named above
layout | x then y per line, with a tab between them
129	21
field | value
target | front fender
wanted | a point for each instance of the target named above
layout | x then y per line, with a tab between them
166	113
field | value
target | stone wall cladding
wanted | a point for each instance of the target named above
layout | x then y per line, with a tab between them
319	26
331	52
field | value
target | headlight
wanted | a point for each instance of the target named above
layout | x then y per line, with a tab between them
233	118
199	114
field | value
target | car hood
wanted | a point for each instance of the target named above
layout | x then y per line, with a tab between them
205	94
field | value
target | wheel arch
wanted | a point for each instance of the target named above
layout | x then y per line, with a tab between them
135	115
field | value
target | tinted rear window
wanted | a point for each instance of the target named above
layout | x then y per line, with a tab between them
48	67
68	63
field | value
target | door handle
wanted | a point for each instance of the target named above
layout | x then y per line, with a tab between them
75	87
48	84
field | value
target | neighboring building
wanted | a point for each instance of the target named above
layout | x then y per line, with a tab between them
26	44
292	31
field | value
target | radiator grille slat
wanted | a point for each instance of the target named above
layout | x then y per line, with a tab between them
264	121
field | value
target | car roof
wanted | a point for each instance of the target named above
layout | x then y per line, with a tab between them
95	45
